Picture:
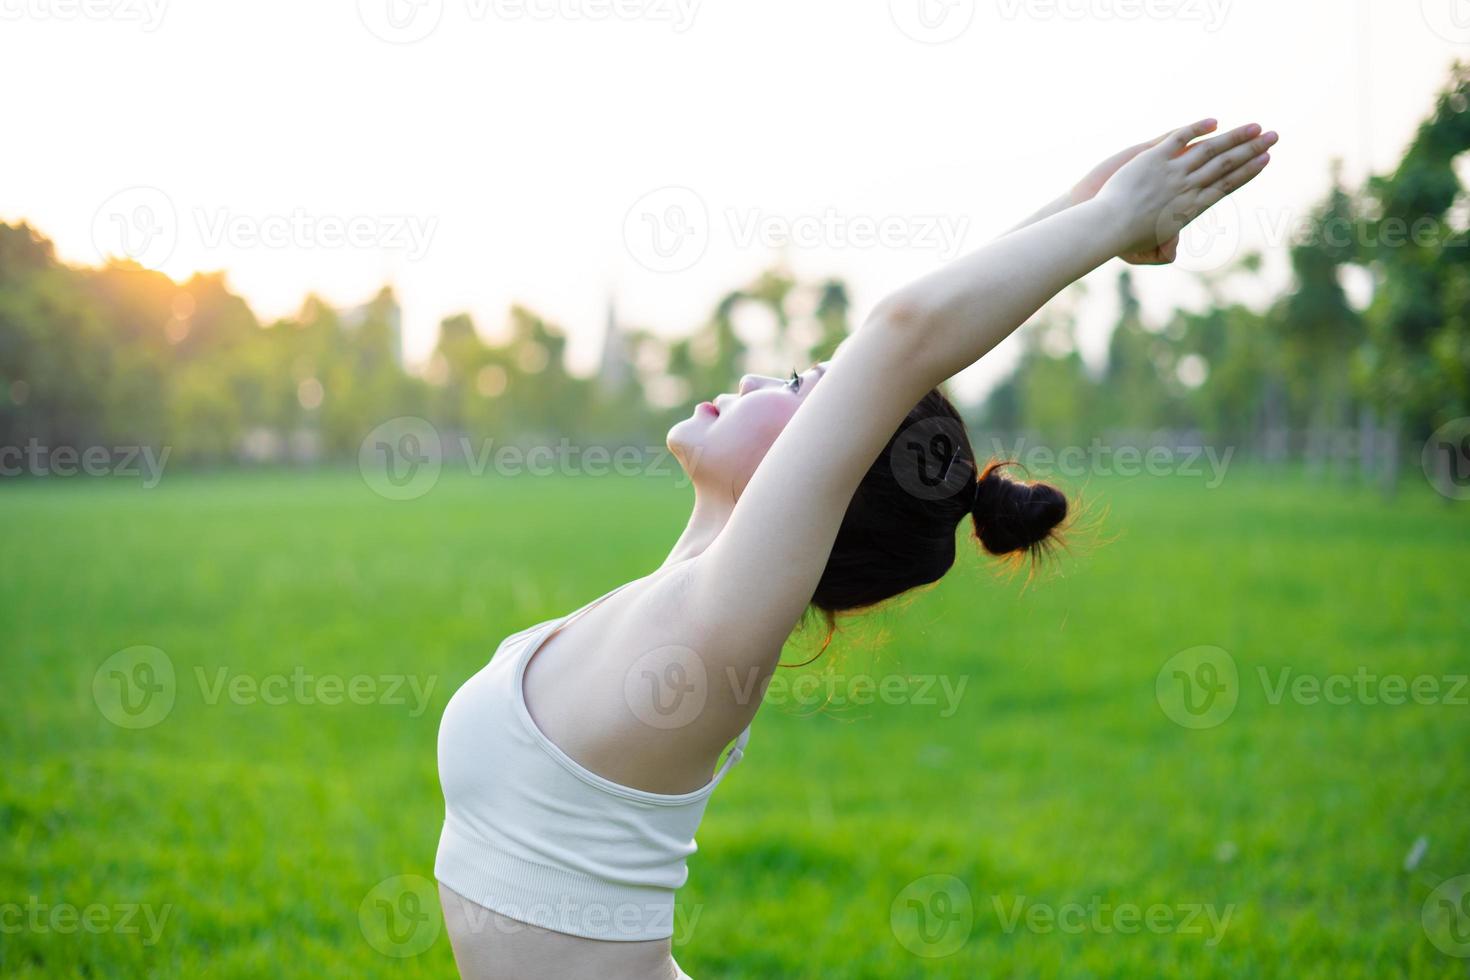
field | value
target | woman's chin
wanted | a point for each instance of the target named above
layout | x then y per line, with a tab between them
689	431
682	440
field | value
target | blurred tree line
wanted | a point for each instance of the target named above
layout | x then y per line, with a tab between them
122	355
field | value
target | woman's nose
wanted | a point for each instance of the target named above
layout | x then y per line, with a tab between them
750	382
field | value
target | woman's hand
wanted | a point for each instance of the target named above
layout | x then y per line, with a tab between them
1086	189
1164	185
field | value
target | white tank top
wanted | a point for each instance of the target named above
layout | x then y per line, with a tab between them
532	834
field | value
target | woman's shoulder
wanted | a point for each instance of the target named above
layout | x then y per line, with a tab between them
629	688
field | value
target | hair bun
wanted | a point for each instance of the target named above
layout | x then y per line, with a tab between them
1012	516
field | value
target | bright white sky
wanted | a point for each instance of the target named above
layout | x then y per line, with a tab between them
516	137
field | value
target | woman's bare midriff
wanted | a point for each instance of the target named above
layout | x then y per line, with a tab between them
490	946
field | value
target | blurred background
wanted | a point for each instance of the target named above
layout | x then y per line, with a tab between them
338	343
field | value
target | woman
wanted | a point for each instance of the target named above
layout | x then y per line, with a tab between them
576	766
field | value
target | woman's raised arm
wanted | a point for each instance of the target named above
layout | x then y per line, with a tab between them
751	585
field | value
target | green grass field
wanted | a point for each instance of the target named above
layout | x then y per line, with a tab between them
1045	818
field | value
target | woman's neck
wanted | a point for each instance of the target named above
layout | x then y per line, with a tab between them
711	513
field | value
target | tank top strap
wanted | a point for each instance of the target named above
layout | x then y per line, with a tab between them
571	617
736	753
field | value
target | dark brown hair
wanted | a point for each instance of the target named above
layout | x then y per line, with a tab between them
899	530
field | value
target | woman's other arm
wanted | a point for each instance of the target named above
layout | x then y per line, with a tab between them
751	585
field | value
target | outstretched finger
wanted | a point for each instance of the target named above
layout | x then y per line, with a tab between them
1236	179
1178	139
1235	157
1204	151
1156	141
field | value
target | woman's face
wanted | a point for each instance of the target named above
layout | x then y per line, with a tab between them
722	443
